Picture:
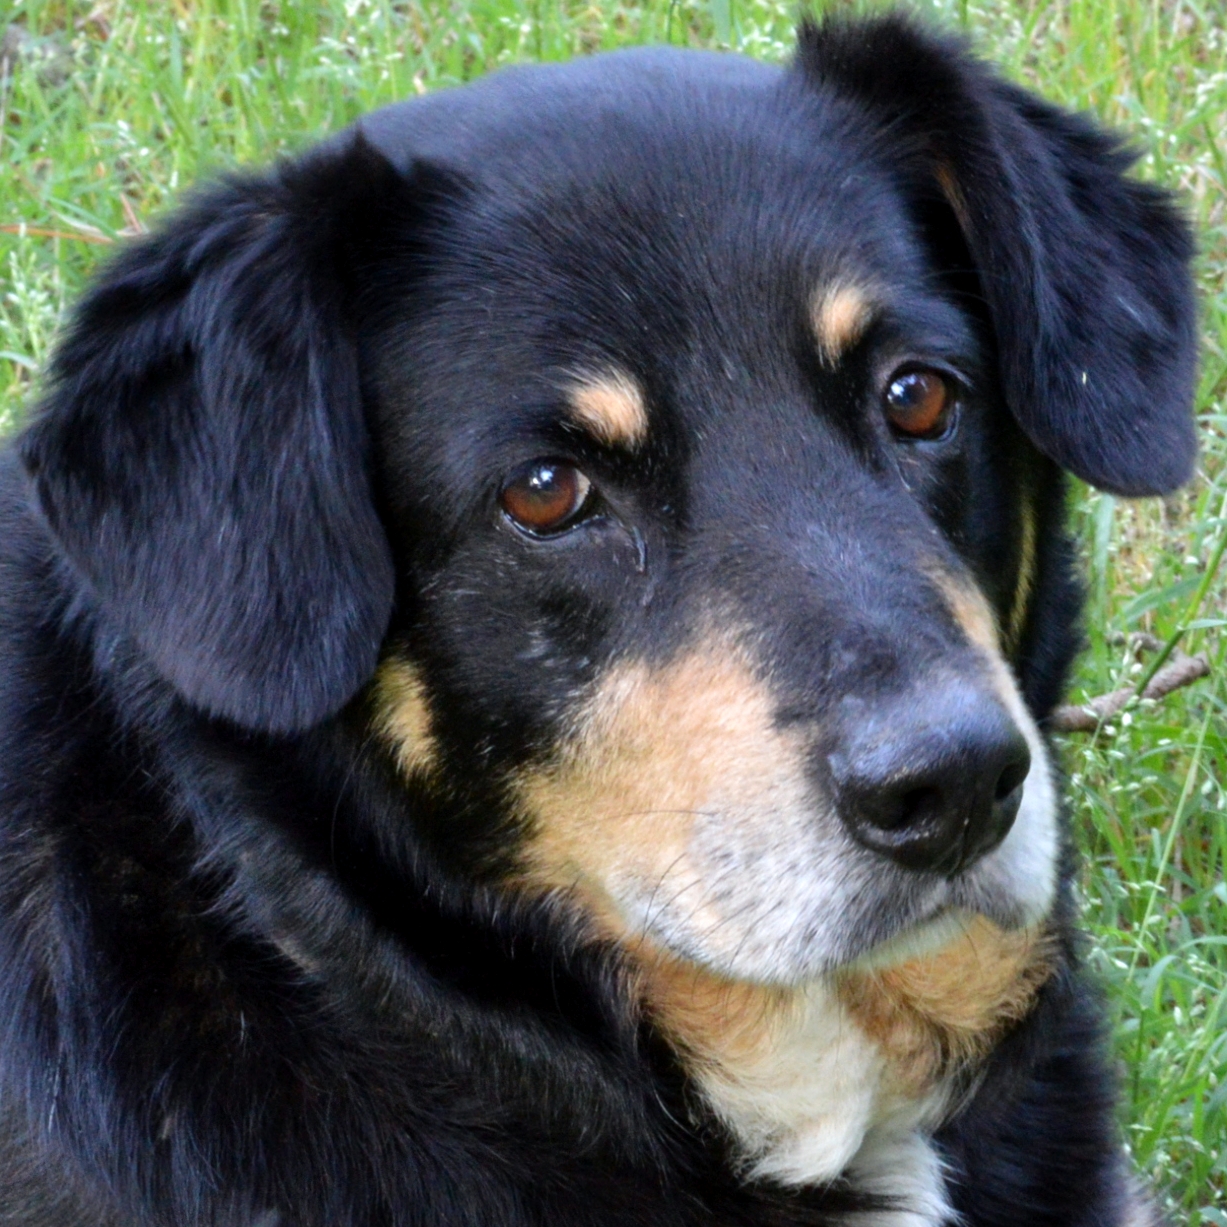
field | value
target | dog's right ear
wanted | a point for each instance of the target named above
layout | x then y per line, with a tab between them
202	454
1084	270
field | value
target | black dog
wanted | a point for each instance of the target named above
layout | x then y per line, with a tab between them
522	641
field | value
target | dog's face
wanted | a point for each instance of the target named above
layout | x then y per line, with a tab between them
708	510
698	423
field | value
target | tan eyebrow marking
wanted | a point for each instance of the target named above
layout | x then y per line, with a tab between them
610	407
841	313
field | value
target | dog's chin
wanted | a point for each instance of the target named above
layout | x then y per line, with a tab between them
916	941
873	926
920	941
876	946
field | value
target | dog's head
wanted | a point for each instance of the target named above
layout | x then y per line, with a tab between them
664	449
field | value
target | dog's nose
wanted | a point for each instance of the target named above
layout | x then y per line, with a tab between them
934	779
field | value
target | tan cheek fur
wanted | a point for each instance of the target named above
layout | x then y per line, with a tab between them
402	716
972	612
841	313
800	1073
721	1023
651	752
611	408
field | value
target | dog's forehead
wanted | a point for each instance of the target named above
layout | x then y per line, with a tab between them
653	217
702	153
486	126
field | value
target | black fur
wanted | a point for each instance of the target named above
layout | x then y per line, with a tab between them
210	387
251	975
1094	326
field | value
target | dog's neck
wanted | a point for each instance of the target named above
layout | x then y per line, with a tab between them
848	1075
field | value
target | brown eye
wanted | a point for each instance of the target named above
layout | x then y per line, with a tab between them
546	496
920	404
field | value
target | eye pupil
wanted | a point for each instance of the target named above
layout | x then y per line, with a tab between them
919	404
545	496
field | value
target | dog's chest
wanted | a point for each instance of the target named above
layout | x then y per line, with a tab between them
811	1097
848	1076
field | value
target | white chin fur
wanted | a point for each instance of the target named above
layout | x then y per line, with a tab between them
904	1167
915	943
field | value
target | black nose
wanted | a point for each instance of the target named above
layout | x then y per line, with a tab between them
931	778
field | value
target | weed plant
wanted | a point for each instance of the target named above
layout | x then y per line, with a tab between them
109	109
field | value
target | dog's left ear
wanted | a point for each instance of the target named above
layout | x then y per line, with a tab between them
202	456
1085	271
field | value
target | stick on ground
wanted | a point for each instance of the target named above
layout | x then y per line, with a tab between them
1086	717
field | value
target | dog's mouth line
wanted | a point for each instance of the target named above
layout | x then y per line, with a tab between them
917	937
932	920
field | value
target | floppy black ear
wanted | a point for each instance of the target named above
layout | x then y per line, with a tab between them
202	454
1085	271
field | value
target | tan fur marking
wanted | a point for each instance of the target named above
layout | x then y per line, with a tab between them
652	752
974	614
840	316
718	1022
811	1075
970	610
931	1016
402	716
787	1070
953	193
611	408
1026	571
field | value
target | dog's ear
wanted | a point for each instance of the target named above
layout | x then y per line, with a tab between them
1085	272
202	454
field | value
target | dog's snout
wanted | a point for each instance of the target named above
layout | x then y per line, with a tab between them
932	780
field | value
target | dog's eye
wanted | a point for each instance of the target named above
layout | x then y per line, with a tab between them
545	497
920	404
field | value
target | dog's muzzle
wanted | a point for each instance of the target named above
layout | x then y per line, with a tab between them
931	777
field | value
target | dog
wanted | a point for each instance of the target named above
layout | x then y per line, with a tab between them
526	633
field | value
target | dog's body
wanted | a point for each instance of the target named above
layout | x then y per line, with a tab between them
521	644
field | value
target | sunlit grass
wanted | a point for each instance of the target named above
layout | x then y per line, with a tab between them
108	109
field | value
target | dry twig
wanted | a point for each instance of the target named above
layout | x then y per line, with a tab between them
1086	717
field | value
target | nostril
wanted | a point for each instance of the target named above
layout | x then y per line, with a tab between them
1011	778
917	807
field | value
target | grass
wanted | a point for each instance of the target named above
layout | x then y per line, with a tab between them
109	108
